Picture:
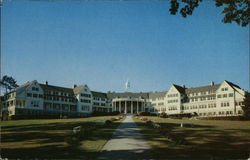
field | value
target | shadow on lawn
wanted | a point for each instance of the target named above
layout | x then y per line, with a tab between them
48	152
204	142
46	141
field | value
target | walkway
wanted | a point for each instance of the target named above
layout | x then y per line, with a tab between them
126	143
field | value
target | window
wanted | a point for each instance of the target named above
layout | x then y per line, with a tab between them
35	89
203	98
160	104
85	100
230	95
85	108
35	95
34	103
29	94
85	95
224	104
224	95
219	96
172	108
203	93
224	89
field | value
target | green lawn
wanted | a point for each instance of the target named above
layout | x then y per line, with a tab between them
206	139
44	139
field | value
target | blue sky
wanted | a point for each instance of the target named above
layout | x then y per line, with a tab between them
103	44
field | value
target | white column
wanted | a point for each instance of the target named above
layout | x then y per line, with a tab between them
137	106
120	106
143	108
132	107
126	107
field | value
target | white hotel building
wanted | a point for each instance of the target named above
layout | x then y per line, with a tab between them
33	98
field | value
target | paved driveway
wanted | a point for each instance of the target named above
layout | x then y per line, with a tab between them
126	143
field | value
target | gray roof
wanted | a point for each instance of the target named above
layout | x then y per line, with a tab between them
99	94
232	84
56	88
179	88
22	88
203	88
153	95
127	94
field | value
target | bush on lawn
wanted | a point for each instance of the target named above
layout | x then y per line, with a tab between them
231	118
149	122
144	113
143	119
98	113
163	115
108	122
72	140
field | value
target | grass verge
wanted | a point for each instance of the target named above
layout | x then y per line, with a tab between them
44	139
206	139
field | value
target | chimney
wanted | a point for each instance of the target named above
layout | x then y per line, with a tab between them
74	86
183	86
46	82
212	83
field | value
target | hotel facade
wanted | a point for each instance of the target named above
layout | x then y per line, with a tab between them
33	98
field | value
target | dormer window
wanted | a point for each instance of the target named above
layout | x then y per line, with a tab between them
35	89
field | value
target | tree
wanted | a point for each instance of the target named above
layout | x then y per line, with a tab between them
246	106
234	11
8	83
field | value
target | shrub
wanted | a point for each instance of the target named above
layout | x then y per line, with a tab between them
144	119
72	140
163	115
108	122
231	118
143	113
153	114
149	122
114	113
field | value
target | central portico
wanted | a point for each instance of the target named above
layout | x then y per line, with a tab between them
128	105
